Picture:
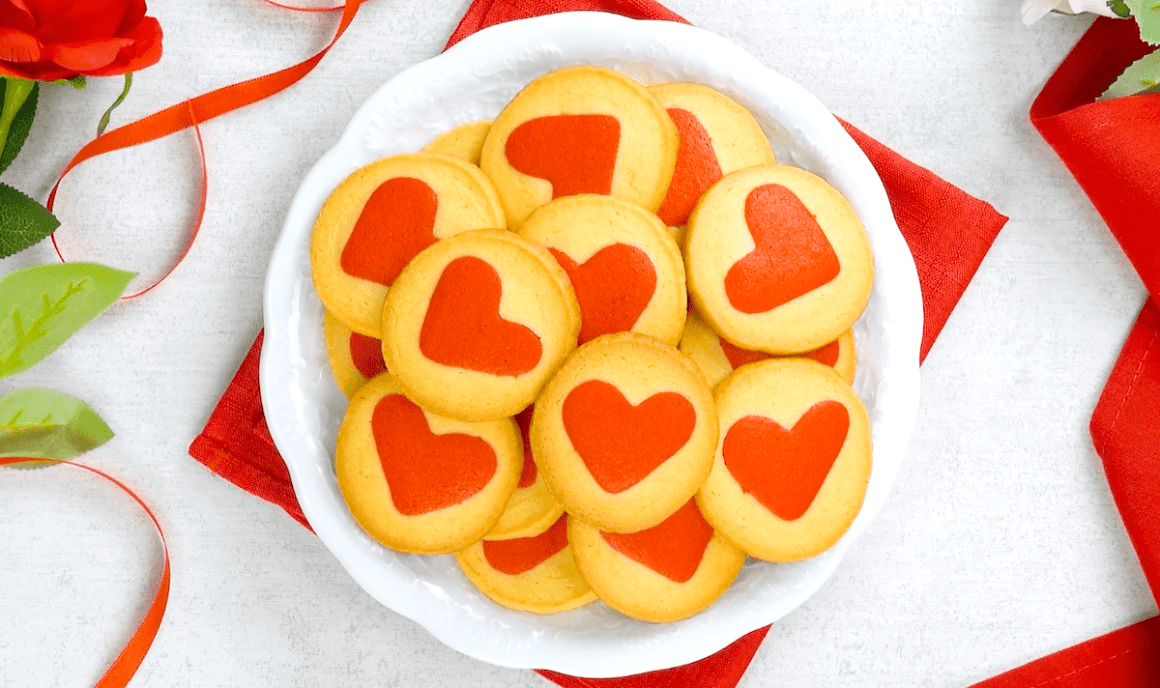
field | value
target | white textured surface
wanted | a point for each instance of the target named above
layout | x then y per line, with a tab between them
998	544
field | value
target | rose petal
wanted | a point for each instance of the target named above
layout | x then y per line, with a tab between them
145	51
17	46
14	14
134	13
89	56
71	21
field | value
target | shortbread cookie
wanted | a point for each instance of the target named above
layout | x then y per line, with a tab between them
793	461
716	357
532	508
624	432
665	573
476	323
777	260
464	141
718	136
354	358
383	214
418	482
535	574
580	130
624	266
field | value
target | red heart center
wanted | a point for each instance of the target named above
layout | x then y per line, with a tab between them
674	548
395	224
518	555
613	286
528	474
576	153
621	443
784	469
697	168
426	472
791	257
827	354
367	355
463	328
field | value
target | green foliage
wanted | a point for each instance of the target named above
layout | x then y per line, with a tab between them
20	122
45	304
1142	76
49	425
23	221
1119	8
1147	14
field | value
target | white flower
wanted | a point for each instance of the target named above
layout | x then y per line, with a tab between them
1033	10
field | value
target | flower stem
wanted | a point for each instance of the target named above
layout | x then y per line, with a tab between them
15	93
124	92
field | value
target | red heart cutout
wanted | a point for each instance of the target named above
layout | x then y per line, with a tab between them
426	472
792	255
697	168
784	469
528	474
463	328
518	555
367	355
613	286
395	224
674	548
621	443
576	153
826	354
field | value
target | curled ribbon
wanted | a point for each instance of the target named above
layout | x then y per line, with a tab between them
191	113
123	668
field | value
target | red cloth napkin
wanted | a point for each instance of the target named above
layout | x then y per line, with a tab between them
1112	148
948	231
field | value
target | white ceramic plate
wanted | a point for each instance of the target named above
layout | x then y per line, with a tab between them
473	81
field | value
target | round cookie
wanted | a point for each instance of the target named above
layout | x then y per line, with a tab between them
623	264
354	358
716	357
718	136
535	574
624	432
532	508
575	130
464	141
383	214
476	323
418	482
777	260
665	573
793	461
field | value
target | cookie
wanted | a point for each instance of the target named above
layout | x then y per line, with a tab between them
464	141
476	323
665	573
777	260
793	462
532	508
623	264
580	130
535	574
383	214
716	357
624	432
718	136
417	482
354	358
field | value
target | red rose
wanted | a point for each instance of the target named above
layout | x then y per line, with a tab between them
48	40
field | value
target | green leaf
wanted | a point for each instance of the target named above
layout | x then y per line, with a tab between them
49	425
23	221
19	124
1142	75
1119	8
1147	14
45	304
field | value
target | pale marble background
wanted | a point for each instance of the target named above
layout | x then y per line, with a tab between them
999	544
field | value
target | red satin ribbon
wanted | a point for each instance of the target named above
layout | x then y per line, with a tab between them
123	668
192	113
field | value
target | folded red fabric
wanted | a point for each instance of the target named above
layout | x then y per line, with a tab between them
948	231
1112	148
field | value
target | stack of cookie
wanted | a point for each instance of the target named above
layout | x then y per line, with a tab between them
597	348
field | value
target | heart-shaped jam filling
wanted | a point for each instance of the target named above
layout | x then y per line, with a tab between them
576	153
518	555
674	548
613	286
697	168
395	224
